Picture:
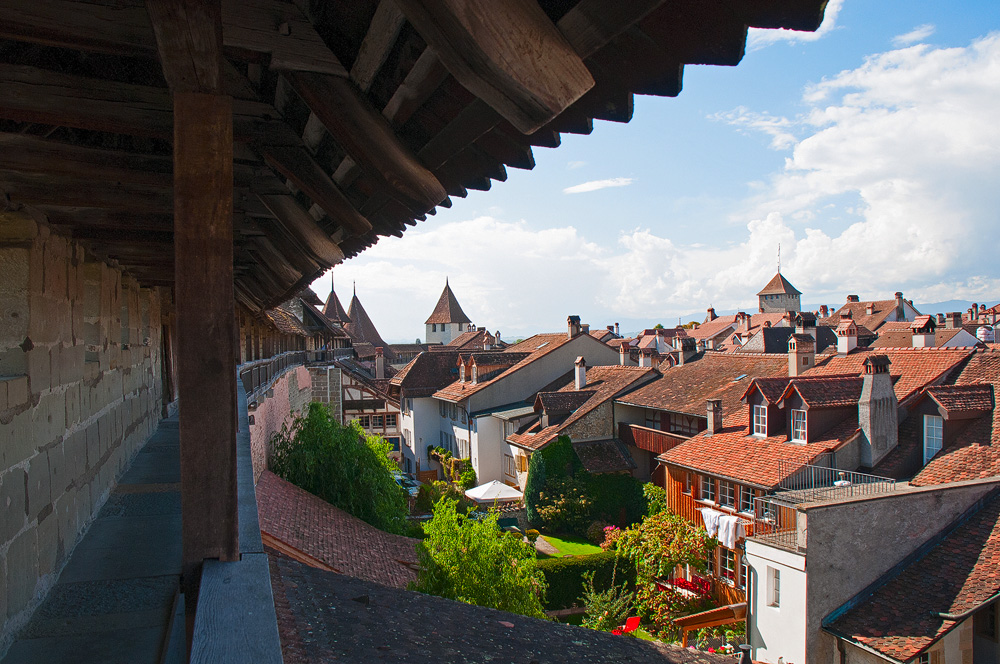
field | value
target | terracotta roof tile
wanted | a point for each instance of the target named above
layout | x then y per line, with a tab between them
901	619
778	285
334	310
958	398
904	338
312	525
286	322
447	309
826	391
859	312
604	456
427	373
362	329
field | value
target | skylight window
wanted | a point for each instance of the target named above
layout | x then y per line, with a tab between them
739	378
544	343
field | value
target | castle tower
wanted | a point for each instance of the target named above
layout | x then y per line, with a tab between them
447	321
779	296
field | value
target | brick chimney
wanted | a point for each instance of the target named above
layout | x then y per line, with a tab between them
801	354
877	411
585	328
711	315
870	309
900	309
623	355
686	350
853	298
573	326
617	334
805	323
379	364
824	311
580	373
714	412
953	320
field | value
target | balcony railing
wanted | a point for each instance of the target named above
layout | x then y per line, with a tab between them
775	523
811	483
651	440
259	375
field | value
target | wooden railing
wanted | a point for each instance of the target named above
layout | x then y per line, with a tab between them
651	440
258	375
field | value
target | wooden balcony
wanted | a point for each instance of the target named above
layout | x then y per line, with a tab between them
651	440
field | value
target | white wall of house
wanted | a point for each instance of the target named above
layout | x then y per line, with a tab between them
421	426
777	631
962	338
442	333
488	447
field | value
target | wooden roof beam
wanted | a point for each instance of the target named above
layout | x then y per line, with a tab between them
189	42
302	227
368	139
508	54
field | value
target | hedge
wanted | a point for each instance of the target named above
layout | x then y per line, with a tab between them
565	576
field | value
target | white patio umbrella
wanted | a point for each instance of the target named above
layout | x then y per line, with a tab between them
494	491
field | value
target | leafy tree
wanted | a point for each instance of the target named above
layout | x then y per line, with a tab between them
564	506
342	465
537	477
656	498
609	608
658	326
473	561
657	546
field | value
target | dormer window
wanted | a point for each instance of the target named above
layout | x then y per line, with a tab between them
933	436
760	419
798	425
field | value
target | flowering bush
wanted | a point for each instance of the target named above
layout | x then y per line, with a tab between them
659	608
564	505
611	535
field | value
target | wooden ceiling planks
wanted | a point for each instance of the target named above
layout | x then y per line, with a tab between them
363	150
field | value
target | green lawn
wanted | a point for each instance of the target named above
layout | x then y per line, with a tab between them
572	546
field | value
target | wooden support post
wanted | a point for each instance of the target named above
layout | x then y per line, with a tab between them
203	263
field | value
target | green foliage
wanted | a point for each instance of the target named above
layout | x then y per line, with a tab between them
734	633
342	465
565	576
537	477
656	498
532	535
606	609
656	546
616	498
429	494
595	531
564	505
473	561
658	326
560	459
467	477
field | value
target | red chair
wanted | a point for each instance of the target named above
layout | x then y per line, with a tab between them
630	625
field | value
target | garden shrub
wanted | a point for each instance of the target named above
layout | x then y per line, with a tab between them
342	465
656	498
537	477
565	576
616	498
467	476
564	506
429	494
609	608
595	531
532	535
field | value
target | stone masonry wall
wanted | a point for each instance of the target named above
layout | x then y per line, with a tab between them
79	393
289	395
327	389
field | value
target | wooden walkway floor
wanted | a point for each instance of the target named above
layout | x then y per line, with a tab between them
116	600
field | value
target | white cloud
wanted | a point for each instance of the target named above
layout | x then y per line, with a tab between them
890	185
917	34
576	164
594	185
758	38
774	126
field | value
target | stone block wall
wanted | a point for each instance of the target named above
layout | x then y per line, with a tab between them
289	395
327	389
79	394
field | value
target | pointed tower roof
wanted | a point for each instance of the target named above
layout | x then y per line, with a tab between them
334	310
448	310
361	328
778	286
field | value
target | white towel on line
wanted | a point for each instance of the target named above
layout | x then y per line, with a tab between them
711	518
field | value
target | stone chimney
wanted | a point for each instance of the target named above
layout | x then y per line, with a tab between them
923	331
585	328
847	337
877	411
711	315
805	323
900	309
824	311
801	354
953	320
379	364
646	357
573	326
623	355
497	335
714	416
853	298
580	373
870	309
475	372
742	321
700	345
940	320
686	350
461	369
617	334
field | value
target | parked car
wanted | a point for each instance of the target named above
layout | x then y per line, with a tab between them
408	482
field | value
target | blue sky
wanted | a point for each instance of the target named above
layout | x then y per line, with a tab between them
869	150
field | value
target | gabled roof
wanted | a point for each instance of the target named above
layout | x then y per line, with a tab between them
904	338
775	340
334	310
960	398
427	373
909	609
826	391
474	340
447	309
604	383
778	285
859	312
685	388
362	329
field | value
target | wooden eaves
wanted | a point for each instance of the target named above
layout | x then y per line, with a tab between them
351	120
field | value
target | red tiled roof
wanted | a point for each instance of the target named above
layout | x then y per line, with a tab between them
957	398
427	373
361	328
603	384
826	391
750	459
447	309
563	402
902	618
904	338
859	312
916	367
334	310
604	456
778	285
975	453
285	321
469	340
771	389
348	544
685	388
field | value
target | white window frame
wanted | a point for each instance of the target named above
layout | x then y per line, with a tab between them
709	495
760	419
727	494
741	582
746	506
391	420
773	587
933	436
728	566
799	427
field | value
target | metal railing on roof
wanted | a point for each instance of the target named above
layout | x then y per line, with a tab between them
810	483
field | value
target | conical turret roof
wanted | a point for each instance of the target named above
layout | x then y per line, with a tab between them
778	285
361	328
448	310
334	310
